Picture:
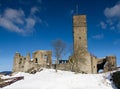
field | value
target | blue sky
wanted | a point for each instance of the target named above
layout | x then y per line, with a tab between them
30	25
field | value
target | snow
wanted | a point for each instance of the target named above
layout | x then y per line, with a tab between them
5	77
49	79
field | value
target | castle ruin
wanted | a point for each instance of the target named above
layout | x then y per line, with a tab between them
86	62
40	59
81	60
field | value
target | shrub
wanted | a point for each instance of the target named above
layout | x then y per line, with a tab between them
116	79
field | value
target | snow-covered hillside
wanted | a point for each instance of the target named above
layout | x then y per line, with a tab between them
49	79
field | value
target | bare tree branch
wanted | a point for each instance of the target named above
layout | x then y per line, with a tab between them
58	47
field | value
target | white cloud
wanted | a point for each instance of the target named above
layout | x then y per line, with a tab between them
103	25
113	11
39	1
116	42
112	28
118	25
113	16
9	25
14	15
98	36
30	23
110	22
16	21
34	10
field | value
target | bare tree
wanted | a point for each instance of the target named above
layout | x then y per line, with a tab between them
58	48
71	57
72	62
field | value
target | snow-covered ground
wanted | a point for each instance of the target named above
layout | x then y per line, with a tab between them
49	79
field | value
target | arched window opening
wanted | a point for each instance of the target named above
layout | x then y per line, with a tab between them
45	56
20	62
100	67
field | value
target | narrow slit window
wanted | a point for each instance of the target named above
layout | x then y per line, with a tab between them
36	60
79	37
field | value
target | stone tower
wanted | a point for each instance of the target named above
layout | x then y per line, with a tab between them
84	61
80	33
81	55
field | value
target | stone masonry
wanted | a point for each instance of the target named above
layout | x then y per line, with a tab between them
81	61
84	61
40	59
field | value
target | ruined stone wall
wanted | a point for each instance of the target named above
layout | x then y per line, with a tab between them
84	63
65	66
94	61
43	58
16	62
107	64
40	59
110	63
21	63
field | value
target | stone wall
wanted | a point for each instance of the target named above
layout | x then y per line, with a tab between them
110	63
40	59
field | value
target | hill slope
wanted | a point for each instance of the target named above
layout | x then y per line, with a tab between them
49	79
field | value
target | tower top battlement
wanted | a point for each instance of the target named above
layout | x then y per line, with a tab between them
79	21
